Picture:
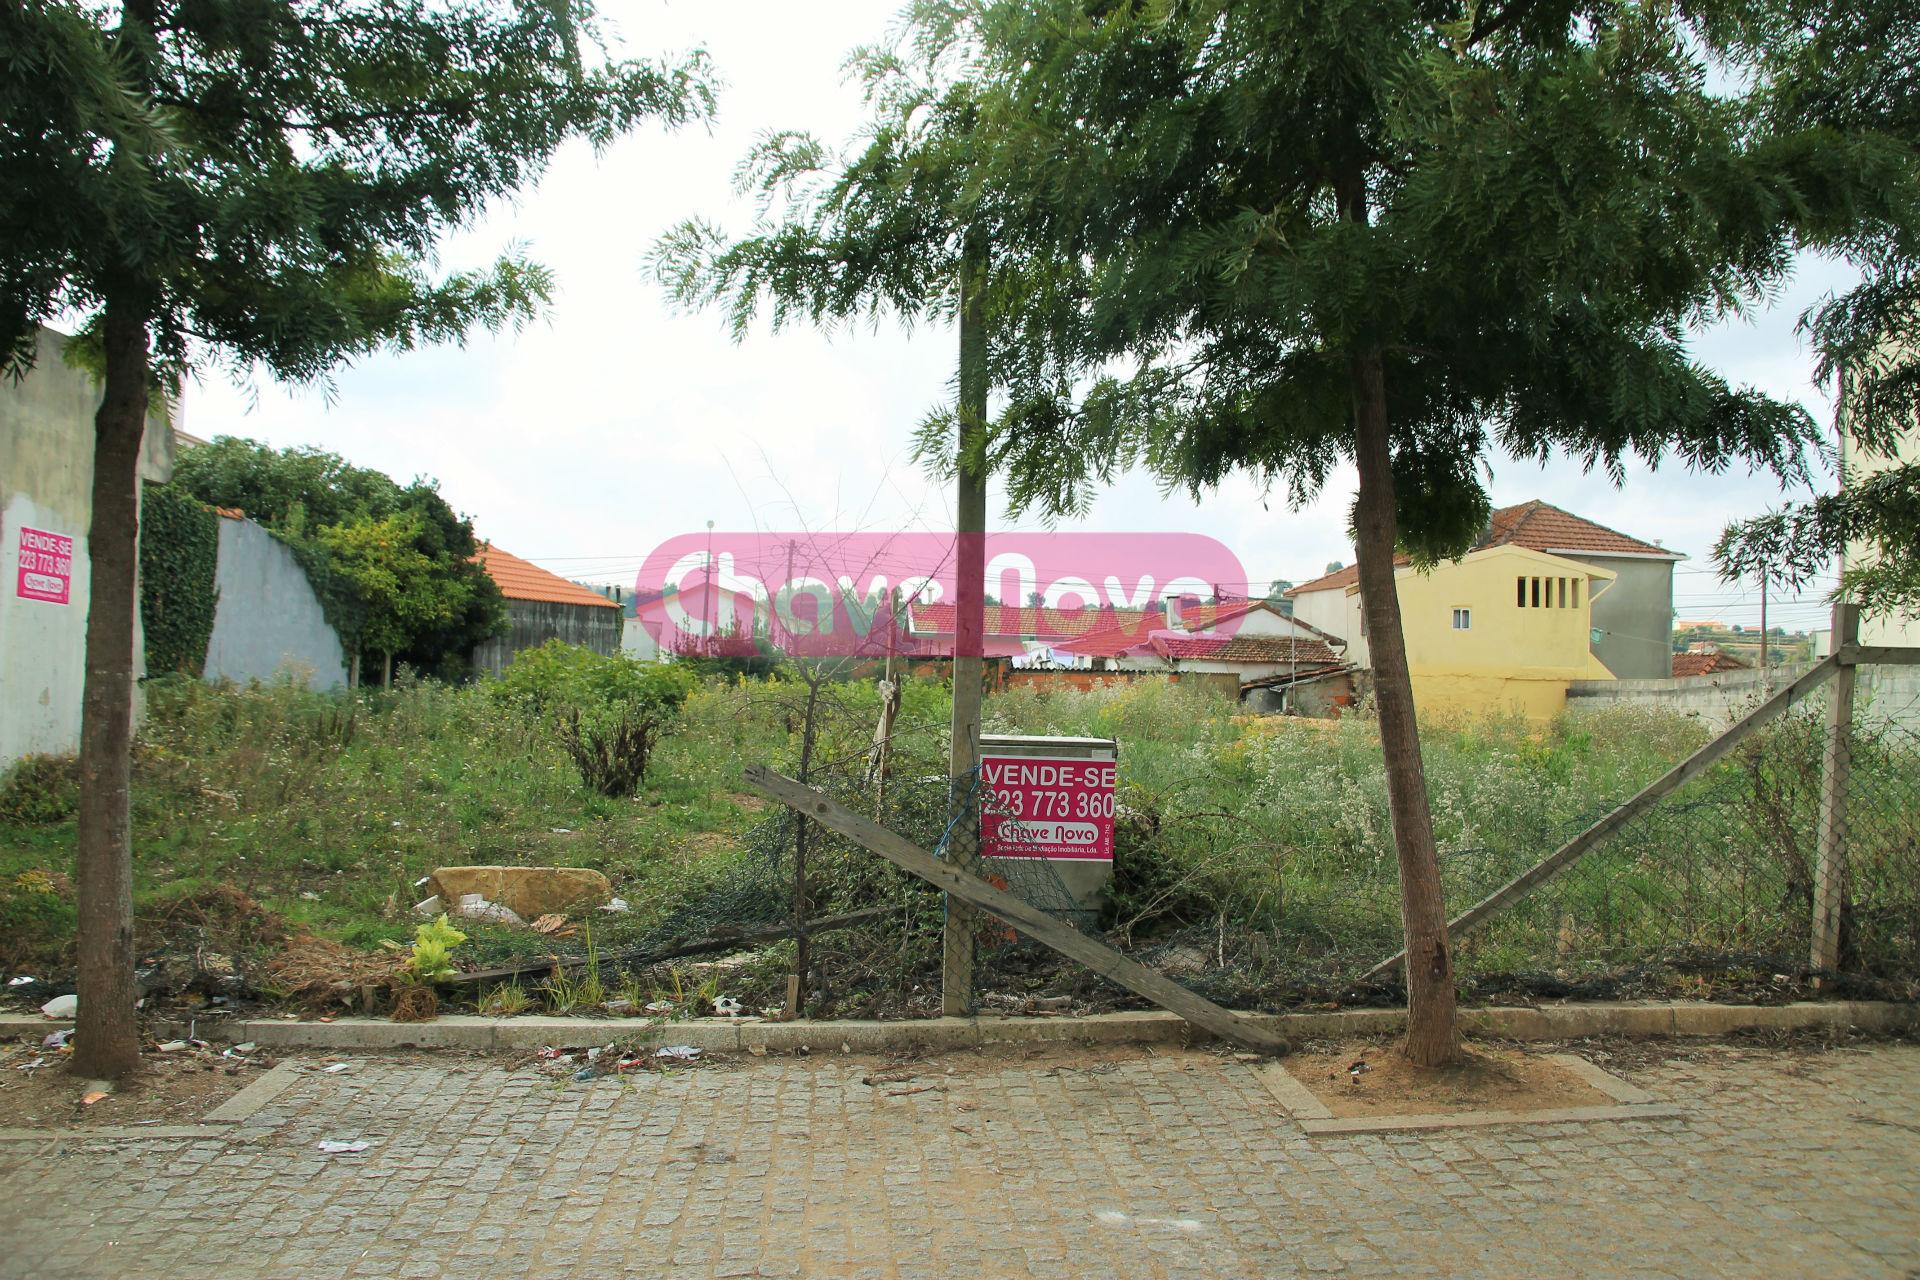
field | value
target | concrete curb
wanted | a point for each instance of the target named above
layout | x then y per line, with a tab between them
116	1133
263	1090
473	1033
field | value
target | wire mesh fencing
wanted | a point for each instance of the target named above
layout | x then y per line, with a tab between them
1255	863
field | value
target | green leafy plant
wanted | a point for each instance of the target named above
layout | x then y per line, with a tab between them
179	553
611	710
432	957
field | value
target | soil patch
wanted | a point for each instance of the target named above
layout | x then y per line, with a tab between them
171	1088
1365	1078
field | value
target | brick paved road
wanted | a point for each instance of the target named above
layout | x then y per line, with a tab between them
1177	1165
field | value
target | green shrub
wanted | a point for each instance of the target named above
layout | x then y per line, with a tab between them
557	677
40	791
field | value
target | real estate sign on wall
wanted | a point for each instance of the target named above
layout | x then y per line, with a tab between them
46	566
1046	807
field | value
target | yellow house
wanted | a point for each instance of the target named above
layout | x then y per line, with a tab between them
1500	632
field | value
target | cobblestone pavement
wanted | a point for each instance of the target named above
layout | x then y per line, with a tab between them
1176	1164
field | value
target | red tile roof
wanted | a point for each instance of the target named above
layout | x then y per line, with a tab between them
521	580
1025	620
1687	665
1541	526
1537	526
1217	648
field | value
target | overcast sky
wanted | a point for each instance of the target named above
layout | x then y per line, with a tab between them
616	423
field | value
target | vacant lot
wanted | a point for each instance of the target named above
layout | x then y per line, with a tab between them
1254	854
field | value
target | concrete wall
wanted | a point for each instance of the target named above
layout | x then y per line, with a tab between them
1900	629
1634	615
534	622
268	623
46	483
1883	694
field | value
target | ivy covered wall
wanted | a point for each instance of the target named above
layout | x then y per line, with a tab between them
179	554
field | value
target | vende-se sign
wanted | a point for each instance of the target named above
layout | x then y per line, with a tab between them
46	566
1041	807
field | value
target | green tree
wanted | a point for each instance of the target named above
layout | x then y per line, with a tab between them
252	183
397	595
300	493
1400	235
1821	64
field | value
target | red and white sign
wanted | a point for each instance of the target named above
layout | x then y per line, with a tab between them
1046	807
46	566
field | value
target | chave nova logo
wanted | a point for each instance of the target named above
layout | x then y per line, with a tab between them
874	594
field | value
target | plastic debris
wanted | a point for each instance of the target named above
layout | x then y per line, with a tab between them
173	1046
616	906
21	981
474	906
429	908
329	1146
549	1053
61	1040
92	1096
587	1073
309	896
336	1068
552	922
679	1052
61	1007
726	1007
248	1047
31	1064
618	1006
560	831
660	1007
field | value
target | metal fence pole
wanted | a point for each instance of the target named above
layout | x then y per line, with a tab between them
1829	875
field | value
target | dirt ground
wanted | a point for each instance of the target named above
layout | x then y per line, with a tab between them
172	1088
1371	1078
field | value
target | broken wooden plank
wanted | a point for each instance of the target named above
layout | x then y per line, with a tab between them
1672	780
1030	920
638	957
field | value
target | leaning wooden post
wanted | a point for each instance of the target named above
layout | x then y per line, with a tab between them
969	640
1830	869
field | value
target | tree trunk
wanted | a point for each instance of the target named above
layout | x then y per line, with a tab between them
386	670
107	1039
969	641
1432	1039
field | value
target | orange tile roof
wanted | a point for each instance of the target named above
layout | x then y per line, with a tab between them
1541	526
1537	526
1687	665
521	580
1337	580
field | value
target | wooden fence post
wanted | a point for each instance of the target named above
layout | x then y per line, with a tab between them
1830	868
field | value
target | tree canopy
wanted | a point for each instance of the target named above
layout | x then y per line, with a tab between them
1850	67
1269	238
250	183
394	565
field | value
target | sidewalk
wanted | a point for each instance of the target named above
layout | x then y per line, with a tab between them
1117	1163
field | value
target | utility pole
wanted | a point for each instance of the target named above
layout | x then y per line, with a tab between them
969	640
1766	676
